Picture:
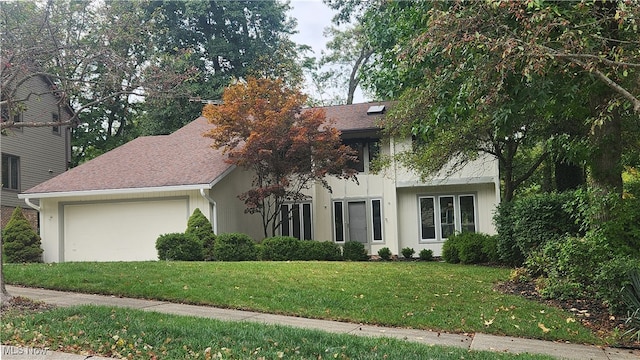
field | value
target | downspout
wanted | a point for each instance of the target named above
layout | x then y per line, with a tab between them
214	215
32	205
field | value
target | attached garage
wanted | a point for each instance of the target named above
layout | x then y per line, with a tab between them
103	231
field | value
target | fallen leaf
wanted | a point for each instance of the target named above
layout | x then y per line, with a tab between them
543	328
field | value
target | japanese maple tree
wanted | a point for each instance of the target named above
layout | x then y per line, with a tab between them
261	126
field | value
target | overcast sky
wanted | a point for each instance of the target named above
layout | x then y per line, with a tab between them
313	17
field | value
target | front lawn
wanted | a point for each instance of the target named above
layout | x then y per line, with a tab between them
425	295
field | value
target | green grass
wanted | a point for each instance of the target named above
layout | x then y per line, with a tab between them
137	334
423	295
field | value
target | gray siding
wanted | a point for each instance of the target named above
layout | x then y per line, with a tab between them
43	154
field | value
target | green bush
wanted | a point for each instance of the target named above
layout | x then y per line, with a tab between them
408	252
508	249
235	247
490	248
21	243
450	251
179	247
527	223
469	248
426	254
354	251
384	253
200	226
281	248
320	250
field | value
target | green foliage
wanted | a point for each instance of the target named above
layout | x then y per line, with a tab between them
235	247
426	254
469	248
354	251
320	250
632	301
281	248
179	247
408	252
21	243
527	223
199	226
384	253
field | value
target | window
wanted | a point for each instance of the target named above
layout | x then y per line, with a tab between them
444	215
16	117
296	221
55	118
10	172
367	150
358	220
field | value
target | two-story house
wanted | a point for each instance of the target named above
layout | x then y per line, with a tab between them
32	155
115	206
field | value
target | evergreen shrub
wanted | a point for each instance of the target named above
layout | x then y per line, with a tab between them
354	251
320	250
281	248
426	254
384	253
408	252
235	247
179	247
201	227
469	248
21	243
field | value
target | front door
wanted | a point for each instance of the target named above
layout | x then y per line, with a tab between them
357	221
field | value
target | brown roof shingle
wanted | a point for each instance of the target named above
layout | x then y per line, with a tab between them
180	159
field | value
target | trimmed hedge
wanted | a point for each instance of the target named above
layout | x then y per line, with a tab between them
281	248
354	251
179	247
470	248
235	247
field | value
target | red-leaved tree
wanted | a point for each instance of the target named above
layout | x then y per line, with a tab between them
262	127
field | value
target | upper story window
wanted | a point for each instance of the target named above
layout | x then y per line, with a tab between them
55	118
15	116
10	172
367	150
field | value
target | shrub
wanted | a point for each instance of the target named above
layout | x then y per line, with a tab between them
469	248
320	250
234	247
508	250
490	248
384	253
426	254
21	242
200	226
179	247
529	222
450	251
408	252
281	248
632	301
354	251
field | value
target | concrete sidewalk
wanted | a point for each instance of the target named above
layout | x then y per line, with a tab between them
476	342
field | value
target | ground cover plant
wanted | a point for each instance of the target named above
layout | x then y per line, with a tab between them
136	334
427	295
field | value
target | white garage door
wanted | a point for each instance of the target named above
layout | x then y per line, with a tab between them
120	231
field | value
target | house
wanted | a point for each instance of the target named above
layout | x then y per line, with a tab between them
32	155
115	206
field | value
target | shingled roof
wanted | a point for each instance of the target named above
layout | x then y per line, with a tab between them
183	160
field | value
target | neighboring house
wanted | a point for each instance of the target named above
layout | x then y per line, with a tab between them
115	206
32	155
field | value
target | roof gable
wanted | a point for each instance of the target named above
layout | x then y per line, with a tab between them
183	158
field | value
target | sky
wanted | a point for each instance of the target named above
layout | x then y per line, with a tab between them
313	17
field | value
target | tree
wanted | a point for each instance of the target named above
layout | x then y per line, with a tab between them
21	241
89	51
262	128
224	40
199	226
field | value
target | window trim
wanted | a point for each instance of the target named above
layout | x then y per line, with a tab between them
301	231
437	215
55	117
368	214
10	173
